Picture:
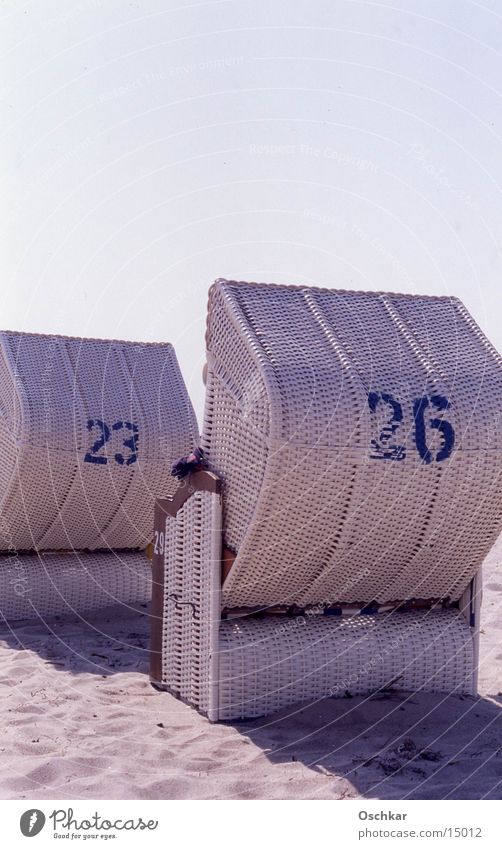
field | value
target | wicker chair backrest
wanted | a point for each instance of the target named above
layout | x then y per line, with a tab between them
88	432
359	440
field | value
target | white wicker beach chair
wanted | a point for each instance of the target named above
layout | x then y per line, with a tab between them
88	433
356	439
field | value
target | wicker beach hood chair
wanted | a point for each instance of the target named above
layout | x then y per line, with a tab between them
355	447
88	432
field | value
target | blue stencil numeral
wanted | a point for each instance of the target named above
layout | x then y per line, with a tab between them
131	443
444	427
386	446
92	455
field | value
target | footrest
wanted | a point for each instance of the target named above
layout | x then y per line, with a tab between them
268	665
72	583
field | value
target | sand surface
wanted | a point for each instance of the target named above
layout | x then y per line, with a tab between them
80	720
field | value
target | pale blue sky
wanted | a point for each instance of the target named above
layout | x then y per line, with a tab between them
150	147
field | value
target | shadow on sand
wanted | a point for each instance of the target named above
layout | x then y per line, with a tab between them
392	745
103	645
386	746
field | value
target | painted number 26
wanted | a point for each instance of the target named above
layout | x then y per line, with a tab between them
104	433
386	444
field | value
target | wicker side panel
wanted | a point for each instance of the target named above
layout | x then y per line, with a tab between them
235	445
273	664
96	428
191	600
65	584
470	606
236	416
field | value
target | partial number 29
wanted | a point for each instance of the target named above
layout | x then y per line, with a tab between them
158	542
103	432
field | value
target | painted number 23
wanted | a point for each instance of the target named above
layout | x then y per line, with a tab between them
104	432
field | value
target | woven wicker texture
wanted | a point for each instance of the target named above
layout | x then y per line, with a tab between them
246	667
359	440
270	665
64	584
88	432
191	598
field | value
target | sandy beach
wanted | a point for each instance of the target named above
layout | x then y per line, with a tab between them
80	720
